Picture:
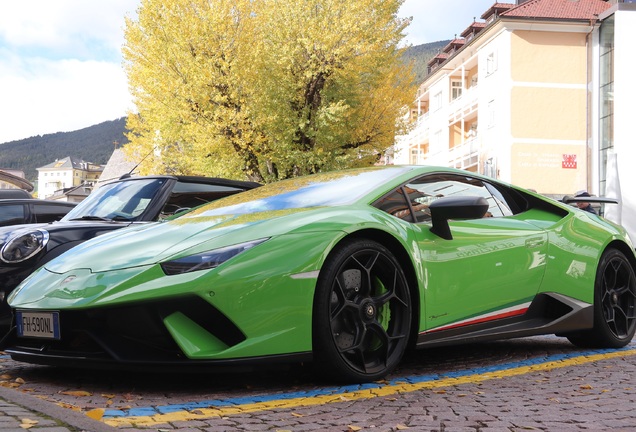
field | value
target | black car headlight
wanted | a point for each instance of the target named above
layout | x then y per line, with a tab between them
23	245
206	260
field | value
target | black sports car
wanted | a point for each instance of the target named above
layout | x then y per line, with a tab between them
127	201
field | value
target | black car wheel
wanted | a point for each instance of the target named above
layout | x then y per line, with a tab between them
362	313
614	304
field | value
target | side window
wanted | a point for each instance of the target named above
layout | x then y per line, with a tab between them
11	214
500	201
49	213
189	195
421	192
396	204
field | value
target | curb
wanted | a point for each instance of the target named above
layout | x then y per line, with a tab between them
75	419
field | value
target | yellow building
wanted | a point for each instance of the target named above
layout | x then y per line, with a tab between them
65	175
510	98
538	93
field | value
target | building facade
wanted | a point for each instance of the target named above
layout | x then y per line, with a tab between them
528	95
613	96
68	174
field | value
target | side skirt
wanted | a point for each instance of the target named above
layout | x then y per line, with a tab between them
549	313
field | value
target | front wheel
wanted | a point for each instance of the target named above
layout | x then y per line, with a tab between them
614	304
362	313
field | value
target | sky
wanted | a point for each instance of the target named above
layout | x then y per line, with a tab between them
61	65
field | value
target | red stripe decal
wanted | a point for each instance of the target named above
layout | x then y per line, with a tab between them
480	320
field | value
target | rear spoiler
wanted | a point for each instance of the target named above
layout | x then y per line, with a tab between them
592	199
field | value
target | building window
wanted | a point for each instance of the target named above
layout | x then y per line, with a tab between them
490	168
606	110
415	156
491	113
491	63
437	101
456	89
436	140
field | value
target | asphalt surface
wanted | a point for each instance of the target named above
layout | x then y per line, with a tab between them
536	384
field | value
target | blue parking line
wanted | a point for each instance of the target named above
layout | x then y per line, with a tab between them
413	379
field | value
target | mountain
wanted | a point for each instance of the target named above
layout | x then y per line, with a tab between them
420	55
96	143
92	144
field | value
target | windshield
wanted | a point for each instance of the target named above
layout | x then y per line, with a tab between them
328	189
125	200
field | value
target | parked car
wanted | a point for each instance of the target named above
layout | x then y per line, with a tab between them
15	194
347	269
29	210
119	204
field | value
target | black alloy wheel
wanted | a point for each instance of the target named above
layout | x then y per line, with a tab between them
362	313
614	304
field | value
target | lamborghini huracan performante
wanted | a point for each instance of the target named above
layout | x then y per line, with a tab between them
345	269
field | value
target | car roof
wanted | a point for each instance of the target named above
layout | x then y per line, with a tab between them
14	193
196	179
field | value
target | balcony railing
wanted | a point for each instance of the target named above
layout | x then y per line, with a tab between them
464	105
464	155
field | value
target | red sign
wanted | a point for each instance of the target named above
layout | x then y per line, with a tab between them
569	161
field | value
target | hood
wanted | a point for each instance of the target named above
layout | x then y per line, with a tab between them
159	241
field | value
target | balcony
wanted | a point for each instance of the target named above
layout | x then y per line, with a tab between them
464	105
465	155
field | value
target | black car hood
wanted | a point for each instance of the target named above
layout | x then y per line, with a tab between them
66	231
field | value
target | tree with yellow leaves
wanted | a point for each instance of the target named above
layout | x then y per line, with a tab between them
264	89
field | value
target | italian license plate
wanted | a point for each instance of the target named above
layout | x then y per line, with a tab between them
42	324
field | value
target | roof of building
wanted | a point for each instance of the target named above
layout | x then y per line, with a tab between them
558	9
74	163
474	27
76	191
454	45
439	58
117	165
497	9
566	10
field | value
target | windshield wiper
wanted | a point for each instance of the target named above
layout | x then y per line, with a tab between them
91	217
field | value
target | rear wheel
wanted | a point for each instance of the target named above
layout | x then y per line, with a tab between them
362	313
614	304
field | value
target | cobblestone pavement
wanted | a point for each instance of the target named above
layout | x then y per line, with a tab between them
542	384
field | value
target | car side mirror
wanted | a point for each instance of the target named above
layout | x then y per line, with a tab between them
460	207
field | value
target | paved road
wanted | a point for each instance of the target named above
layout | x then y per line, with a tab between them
541	383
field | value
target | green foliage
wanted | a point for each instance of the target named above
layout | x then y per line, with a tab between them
265	90
93	144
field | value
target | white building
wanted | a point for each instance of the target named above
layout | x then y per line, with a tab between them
537	94
67	174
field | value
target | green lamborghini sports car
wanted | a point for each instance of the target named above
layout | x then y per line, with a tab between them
345	270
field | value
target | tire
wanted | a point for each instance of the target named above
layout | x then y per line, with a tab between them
614	304
362	313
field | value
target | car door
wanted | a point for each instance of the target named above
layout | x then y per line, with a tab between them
492	266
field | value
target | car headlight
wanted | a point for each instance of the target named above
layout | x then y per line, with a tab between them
206	260
24	245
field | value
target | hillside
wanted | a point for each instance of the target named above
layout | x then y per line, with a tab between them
92	144
420	55
96	143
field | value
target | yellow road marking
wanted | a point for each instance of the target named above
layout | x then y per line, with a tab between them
388	390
